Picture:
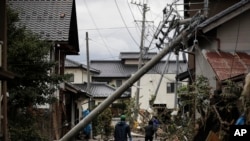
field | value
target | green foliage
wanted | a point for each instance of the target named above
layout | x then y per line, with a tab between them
130	110
199	98
196	97
24	130
102	124
231	92
152	99
28	59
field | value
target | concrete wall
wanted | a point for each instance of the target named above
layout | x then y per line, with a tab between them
203	68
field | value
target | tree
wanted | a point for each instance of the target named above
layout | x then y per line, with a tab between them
102	124
28	59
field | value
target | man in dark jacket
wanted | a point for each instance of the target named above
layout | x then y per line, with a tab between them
122	130
149	131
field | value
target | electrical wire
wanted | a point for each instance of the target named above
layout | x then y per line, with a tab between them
105	28
100	44
134	18
125	23
236	46
97	28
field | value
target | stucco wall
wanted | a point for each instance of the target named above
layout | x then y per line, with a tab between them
148	85
80	75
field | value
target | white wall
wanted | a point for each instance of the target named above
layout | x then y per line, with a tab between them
113	82
148	85
80	75
204	68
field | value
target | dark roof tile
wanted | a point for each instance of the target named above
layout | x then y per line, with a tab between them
136	55
101	90
116	68
73	64
49	19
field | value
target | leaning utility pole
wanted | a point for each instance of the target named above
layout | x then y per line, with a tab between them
174	44
137	97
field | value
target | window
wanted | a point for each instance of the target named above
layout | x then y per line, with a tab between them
71	78
118	83
171	87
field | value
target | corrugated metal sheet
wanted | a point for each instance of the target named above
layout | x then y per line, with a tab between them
227	65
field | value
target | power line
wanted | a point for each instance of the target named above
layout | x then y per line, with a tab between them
105	28
97	28
235	48
125	23
133	17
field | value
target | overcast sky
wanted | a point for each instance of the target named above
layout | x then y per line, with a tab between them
114	26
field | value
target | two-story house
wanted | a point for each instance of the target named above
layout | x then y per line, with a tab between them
116	72
78	71
221	53
222	49
56	22
98	91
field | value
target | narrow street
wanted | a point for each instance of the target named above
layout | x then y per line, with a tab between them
134	139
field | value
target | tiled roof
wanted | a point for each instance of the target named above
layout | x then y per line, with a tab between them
101	90
116	68
218	16
73	64
73	87
227	65
136	55
54	20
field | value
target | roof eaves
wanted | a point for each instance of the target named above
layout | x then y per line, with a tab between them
73	88
225	16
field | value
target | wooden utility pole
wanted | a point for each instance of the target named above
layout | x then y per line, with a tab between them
3	95
137	97
87	52
88	79
176	82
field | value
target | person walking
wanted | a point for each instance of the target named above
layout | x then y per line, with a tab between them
122	130
149	131
155	125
